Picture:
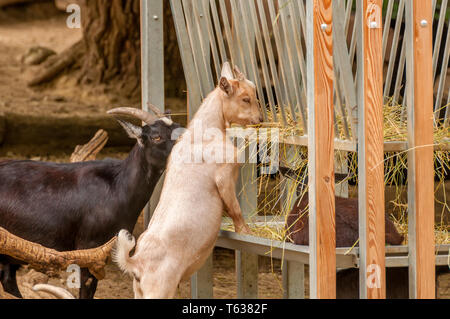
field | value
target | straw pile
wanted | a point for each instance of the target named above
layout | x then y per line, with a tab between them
275	196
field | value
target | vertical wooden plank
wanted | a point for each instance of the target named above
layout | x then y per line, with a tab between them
321	149
202	281
152	70
293	280
420	154
370	151
246	275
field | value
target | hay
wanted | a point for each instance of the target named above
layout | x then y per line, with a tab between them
395	165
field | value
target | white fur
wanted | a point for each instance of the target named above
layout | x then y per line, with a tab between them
121	252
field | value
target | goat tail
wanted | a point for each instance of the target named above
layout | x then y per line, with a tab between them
58	292
121	252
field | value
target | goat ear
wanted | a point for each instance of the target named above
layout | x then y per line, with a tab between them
226	86
226	71
133	131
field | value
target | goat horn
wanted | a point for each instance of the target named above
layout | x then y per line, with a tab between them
137	113
239	75
51	261
58	292
160	114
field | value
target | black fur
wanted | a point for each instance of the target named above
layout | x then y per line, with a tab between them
79	205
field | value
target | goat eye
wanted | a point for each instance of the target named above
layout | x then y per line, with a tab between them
246	100
156	139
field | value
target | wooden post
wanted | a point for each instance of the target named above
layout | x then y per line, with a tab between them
321	149
419	21
246	275
202	281
370	150
152	44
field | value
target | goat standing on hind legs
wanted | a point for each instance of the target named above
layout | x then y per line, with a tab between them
186	222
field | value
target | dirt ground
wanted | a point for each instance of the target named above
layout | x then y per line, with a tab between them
24	27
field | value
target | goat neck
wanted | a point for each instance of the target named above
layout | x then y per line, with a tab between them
211	112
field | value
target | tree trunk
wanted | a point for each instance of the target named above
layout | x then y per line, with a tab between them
109	54
111	33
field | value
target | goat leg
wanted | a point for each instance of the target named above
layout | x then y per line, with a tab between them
88	284
226	184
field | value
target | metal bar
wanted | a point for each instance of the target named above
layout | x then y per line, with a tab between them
438	39
270	55
249	38
202	281
200	44
420	157
298	51
226	23
212	40
218	28
322	239
443	77
387	26
190	73
395	41
349	146
262	56
236	32
293	280
152	80
348	13
370	151
345	71
285	70
277	249
246	275
345	257
400	71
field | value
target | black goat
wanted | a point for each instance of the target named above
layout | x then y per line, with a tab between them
347	234
82	205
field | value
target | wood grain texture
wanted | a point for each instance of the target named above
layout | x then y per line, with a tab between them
420	156
372	234
323	235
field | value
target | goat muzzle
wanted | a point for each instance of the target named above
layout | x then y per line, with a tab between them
51	261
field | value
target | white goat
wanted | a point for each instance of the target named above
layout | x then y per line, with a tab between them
186	222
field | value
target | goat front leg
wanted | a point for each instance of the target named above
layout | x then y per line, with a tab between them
226	178
88	284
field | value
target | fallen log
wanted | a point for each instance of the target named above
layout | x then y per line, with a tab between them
89	151
50	261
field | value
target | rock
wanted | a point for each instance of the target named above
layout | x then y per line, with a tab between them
36	55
